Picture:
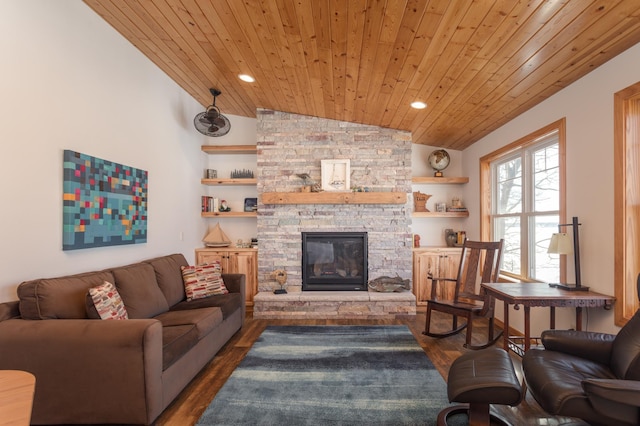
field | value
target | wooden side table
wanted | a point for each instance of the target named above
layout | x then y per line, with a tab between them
16	397
541	295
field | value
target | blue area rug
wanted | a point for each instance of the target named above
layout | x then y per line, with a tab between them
331	375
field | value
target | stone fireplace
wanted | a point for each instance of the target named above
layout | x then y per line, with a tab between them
380	161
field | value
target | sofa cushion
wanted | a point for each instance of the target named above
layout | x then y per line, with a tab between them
139	290
58	298
176	341
107	302
205	320
90	307
169	276
203	280
228	303
9	310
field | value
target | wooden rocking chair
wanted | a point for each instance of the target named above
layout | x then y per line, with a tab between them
479	263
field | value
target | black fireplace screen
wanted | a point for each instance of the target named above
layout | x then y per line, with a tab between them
334	261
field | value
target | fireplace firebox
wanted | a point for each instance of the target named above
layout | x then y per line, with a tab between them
334	261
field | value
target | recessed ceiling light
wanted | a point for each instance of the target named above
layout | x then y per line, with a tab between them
418	105
246	77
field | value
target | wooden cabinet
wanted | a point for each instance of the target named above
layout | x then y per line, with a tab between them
234	261
439	262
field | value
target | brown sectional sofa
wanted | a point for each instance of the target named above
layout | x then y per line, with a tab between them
91	371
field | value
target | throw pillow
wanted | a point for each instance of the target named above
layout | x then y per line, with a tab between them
203	280
108	302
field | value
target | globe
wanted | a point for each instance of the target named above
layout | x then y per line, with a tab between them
439	160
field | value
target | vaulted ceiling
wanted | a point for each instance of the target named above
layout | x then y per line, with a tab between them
476	64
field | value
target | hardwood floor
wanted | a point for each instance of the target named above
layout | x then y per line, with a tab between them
192	402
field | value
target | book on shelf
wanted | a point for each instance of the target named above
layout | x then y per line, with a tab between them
457	209
209	204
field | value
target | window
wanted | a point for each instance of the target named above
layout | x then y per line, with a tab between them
525	184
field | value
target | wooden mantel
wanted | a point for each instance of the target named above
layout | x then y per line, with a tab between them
328	197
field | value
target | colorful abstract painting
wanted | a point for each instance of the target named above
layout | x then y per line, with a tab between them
105	203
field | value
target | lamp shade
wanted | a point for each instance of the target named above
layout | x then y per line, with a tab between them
561	243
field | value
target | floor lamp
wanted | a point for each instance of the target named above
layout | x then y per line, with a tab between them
561	243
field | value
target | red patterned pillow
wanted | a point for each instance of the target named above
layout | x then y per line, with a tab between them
108	302
203	280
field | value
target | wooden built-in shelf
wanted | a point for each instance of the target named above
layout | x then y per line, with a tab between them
229	214
216	181
431	179
328	197
440	214
230	149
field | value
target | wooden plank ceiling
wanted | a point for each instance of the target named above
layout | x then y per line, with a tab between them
477	64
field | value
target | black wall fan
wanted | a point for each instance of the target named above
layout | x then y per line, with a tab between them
212	122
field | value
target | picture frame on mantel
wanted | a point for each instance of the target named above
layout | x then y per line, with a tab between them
335	175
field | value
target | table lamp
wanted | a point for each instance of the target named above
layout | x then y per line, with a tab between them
562	243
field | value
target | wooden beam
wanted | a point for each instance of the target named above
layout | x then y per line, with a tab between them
334	198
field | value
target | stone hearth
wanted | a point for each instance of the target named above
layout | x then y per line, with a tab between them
333	304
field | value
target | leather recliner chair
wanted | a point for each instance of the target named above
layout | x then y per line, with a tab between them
589	375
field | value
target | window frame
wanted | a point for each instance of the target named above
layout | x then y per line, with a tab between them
486	186
626	153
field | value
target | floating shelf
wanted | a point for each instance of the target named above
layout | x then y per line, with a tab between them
431	179
216	181
334	197
440	214
230	149
229	214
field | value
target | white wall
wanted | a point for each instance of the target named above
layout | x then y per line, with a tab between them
588	107
70	81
